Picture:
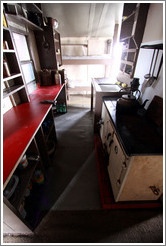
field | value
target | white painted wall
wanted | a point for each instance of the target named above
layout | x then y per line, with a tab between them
153	34
81	75
154	23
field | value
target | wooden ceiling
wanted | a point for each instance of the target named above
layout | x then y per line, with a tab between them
85	19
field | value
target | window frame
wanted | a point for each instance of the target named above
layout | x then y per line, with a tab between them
30	61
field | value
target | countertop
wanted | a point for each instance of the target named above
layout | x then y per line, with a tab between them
21	123
110	86
138	134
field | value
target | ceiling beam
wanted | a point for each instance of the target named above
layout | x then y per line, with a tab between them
102	18
91	18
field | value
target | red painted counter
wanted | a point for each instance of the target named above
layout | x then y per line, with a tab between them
22	122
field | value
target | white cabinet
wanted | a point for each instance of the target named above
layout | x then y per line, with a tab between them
136	177
143	180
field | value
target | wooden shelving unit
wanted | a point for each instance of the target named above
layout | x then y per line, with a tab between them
132	30
24	124
12	76
29	14
25	177
35	8
11	90
17	16
25	21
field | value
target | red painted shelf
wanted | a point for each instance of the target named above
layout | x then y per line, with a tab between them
21	123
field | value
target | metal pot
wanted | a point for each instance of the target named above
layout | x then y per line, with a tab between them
128	104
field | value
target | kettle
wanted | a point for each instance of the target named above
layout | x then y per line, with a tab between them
128	104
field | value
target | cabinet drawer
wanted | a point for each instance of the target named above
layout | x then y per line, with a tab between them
144	180
118	164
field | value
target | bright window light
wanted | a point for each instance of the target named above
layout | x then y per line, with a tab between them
28	72
21	46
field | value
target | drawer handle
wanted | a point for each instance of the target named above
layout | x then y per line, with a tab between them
124	165
111	142
100	122
108	135
155	190
118	182
116	149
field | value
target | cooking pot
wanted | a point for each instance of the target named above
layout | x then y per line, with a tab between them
128	104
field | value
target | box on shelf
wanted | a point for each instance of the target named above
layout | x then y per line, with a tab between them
46	77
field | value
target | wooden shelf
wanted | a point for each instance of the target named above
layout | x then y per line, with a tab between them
14	83
28	23
12	77
153	46
132	31
124	73
5	29
126	38
8	51
85	60
127	62
11	90
31	7
129	50
128	17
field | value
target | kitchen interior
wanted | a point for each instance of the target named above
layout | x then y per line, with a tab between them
83	122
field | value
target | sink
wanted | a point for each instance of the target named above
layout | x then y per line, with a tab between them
109	88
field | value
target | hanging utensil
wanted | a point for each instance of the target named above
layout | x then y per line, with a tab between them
147	76
152	77
161	62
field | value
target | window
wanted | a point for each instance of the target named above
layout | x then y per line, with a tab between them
25	61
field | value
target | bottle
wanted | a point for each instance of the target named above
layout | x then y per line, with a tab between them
61	108
6	72
57	78
22	209
64	108
5	45
57	108
4	21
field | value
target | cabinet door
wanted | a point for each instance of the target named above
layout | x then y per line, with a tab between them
49	48
144	180
118	163
46	48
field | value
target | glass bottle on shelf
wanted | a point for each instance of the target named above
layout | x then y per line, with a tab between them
6	71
